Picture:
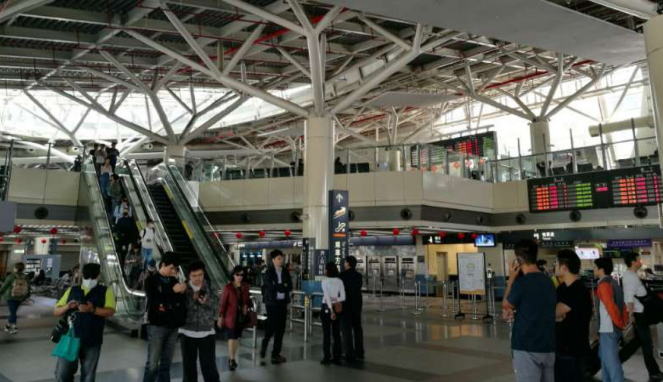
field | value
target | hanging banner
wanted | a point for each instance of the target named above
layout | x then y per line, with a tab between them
339	225
472	273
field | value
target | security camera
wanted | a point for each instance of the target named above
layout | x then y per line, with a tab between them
148	146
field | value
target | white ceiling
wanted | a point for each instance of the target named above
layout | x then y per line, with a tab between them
530	22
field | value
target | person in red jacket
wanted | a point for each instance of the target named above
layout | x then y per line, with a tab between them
233	313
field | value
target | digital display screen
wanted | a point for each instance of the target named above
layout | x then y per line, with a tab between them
636	186
560	194
480	145
587	253
485	240
640	188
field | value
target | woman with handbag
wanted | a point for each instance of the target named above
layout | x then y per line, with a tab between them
332	307
234	312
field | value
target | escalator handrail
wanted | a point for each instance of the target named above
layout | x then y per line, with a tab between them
208	239
123	281
167	246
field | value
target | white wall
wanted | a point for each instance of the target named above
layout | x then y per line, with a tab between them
44	186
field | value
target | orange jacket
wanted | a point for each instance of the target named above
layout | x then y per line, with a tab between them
605	293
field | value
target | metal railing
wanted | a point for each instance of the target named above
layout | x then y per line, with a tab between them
429	158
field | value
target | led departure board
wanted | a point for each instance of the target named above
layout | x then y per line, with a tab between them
561	194
480	145
635	186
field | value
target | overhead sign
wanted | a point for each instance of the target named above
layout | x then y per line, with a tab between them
629	243
472	273
321	262
426	239
339	225
557	244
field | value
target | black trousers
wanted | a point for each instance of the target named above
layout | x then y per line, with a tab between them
331	328
203	349
353	333
277	316
569	368
644	335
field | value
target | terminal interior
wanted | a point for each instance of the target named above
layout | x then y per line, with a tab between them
410	136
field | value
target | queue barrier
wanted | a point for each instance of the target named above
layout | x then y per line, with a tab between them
302	308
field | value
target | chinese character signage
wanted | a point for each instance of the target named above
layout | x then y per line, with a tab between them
321	262
629	243
339	225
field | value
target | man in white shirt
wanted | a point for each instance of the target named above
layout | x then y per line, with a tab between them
147	242
634	288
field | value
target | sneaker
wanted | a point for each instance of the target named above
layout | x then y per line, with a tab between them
278	359
7	328
13	330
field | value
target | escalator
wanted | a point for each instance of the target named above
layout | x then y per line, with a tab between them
186	228
98	246
172	224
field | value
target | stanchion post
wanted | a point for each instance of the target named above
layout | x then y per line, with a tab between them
445	292
307	317
380	308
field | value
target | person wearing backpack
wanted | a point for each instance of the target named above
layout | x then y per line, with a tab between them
147	237
91	304
15	290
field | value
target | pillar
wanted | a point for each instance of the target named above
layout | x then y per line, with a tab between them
318	178
538	130
654	47
175	153
394	159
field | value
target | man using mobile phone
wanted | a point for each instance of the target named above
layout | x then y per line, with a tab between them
530	300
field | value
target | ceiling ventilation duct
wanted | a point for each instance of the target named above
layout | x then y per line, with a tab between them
611	127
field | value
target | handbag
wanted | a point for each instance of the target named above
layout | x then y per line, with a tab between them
68	347
653	307
338	307
252	319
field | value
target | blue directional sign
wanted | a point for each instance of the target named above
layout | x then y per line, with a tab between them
339	225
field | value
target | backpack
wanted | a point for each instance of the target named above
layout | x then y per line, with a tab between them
20	287
653	304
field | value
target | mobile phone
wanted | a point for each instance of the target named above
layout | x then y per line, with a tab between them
201	294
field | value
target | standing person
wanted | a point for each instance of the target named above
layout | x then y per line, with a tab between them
277	287
166	313
133	264
353	333
125	228
104	178
613	318
99	157
147	237
115	191
112	153
92	304
633	288
574	312
530	300
233	312
144	275
15	290
197	336
121	208
332	311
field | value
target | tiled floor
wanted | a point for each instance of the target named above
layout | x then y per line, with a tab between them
400	347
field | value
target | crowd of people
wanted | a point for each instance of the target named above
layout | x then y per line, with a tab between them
550	337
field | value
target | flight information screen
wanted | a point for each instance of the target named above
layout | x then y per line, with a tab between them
560	194
636	186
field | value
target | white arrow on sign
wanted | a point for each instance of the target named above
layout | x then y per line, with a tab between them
339	198
430	239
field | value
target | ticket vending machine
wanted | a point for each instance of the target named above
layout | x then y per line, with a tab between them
390	274
408	272
374	273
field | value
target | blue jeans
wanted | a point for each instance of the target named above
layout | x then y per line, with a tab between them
13	308
104	183
161	342
611	366
88	358
147	256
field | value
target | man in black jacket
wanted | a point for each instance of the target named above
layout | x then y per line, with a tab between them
353	334
166	312
276	295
